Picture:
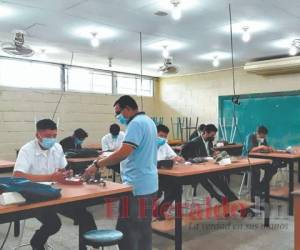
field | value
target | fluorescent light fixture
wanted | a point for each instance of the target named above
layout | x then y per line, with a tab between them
253	26
176	11
216	62
101	31
165	52
46	49
170	44
293	50
5	11
95	40
246	34
167	5
215	54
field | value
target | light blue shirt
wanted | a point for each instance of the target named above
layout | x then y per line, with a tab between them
139	169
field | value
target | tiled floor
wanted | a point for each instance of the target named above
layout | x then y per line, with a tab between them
230	234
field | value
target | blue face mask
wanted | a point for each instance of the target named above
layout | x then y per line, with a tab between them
78	141
48	143
161	141
114	136
122	120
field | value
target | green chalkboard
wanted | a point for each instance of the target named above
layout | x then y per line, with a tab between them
279	112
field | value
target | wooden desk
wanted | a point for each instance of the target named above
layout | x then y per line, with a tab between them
93	146
186	174
296	195
175	142
83	195
6	166
231	149
290	159
81	160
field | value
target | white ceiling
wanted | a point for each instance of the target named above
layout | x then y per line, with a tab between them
59	25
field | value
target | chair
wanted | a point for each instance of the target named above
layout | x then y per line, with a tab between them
102	238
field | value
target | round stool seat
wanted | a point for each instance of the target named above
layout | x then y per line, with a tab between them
100	238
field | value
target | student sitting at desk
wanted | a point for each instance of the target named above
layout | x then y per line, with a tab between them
113	141
43	160
257	143
197	132
75	141
165	152
202	146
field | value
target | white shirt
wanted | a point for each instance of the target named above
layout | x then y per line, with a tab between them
109	143
165	152
33	160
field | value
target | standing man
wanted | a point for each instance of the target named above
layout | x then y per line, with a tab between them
43	160
75	141
138	157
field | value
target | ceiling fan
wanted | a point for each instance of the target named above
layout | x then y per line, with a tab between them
17	47
168	67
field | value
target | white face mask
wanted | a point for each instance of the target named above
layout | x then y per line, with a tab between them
260	140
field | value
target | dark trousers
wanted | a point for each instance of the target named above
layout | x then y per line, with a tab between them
135	216
171	191
259	186
51	224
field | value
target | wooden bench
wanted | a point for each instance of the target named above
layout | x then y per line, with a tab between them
216	212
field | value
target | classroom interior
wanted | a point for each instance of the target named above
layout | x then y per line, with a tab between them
234	64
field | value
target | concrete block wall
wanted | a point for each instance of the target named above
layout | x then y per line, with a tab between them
20	107
197	95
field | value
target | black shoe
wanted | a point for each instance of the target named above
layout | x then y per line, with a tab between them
35	247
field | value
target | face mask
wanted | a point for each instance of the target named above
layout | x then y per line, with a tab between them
114	136
78	141
122	120
211	139
161	141
48	143
260	140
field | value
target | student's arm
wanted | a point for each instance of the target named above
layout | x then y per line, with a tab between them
131	141
118	156
57	176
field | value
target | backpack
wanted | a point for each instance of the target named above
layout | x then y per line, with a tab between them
31	191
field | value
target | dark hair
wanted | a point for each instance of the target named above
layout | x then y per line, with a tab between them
262	130
126	100
46	124
163	128
210	128
201	127
80	133
114	129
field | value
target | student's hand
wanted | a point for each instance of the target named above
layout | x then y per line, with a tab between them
58	176
179	159
90	171
215	153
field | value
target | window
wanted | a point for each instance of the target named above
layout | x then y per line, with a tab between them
147	87
86	80
26	74
131	85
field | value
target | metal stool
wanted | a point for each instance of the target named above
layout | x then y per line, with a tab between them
102	238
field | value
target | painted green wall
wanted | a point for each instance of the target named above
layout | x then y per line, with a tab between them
279	112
